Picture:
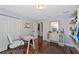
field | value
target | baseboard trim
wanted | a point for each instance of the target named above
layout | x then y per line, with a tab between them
70	45
47	40
73	46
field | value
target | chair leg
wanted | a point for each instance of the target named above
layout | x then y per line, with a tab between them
8	47
33	44
28	47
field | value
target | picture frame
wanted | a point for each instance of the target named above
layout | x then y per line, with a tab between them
27	25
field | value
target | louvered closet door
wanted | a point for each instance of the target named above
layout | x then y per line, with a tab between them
15	28
4	26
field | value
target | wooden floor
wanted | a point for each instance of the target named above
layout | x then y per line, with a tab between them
42	47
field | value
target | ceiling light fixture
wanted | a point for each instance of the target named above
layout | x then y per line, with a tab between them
40	4
40	7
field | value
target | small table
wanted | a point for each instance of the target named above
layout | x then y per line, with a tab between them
28	39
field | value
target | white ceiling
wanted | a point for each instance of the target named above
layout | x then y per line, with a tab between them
30	11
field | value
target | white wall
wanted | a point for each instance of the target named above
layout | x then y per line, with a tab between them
78	13
26	31
35	29
12	26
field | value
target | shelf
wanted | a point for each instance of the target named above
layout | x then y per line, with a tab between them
73	21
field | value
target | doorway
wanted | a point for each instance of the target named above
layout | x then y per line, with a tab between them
40	32
40	29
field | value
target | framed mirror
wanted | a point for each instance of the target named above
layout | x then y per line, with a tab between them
54	26
27	25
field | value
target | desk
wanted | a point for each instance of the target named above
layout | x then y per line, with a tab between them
28	39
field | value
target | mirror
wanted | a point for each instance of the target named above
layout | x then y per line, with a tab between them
27	25
54	26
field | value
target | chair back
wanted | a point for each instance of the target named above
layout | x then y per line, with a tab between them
9	38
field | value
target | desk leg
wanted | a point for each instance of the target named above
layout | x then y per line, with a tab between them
28	47
33	43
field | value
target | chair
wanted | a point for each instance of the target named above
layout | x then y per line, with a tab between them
14	43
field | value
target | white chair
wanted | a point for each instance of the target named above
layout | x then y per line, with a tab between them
14	43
